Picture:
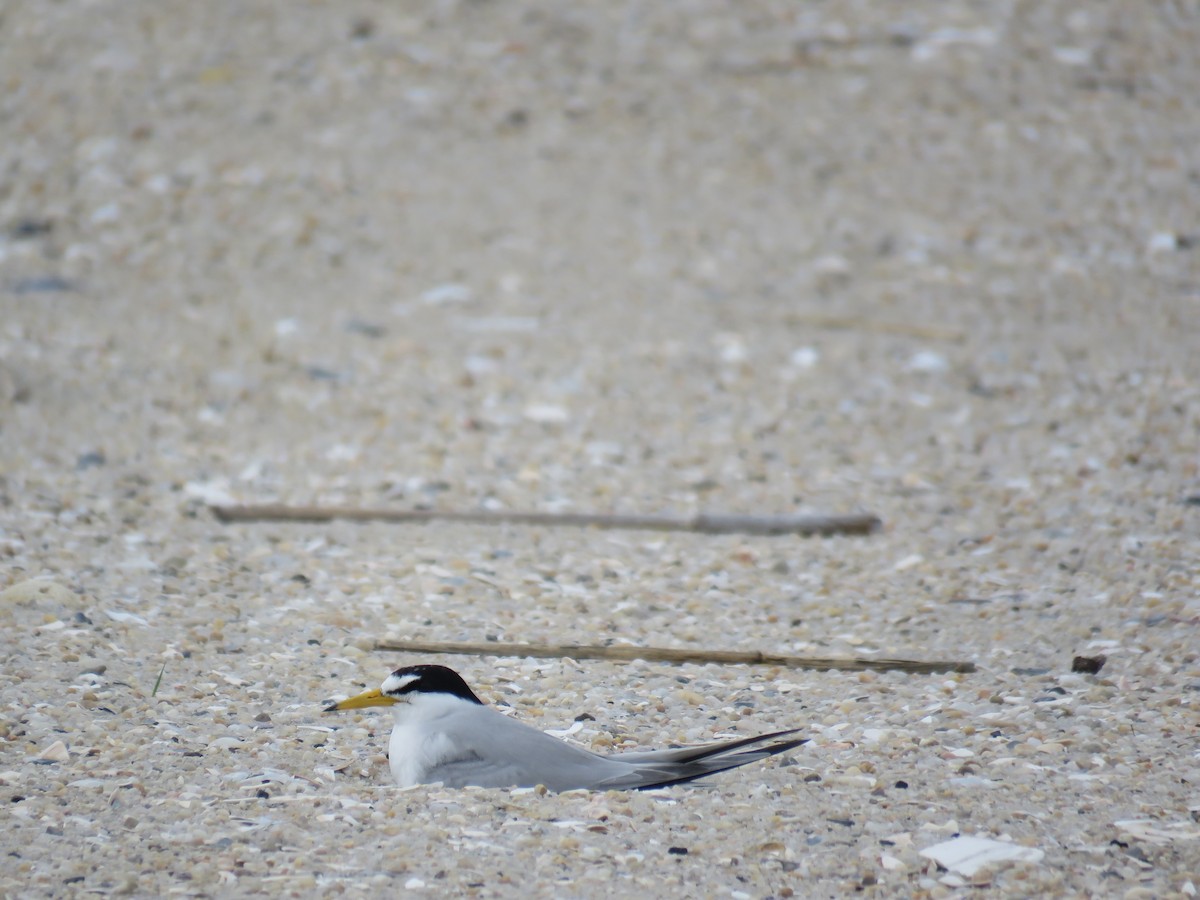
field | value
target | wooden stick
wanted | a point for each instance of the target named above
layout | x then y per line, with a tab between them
671	655
704	523
856	323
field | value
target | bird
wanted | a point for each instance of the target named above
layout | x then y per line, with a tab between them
444	733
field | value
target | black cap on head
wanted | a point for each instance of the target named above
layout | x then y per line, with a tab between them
427	679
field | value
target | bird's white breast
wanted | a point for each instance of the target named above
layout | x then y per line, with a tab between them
418	743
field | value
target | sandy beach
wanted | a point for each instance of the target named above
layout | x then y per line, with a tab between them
937	261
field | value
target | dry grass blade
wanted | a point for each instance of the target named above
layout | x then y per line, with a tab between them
158	680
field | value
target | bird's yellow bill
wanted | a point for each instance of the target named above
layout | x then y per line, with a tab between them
373	697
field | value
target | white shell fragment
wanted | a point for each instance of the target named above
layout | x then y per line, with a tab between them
546	413
450	292
928	361
1153	831
804	357
968	855
56	752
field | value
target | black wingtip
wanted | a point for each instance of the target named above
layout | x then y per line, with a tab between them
756	755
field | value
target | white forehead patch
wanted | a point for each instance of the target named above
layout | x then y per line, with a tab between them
394	684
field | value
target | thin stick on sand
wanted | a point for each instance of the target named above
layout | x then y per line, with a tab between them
858	323
704	523
671	655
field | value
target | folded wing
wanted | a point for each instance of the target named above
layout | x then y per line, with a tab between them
662	768
493	750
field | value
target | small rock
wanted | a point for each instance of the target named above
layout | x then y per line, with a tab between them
31	228
320	373
41	593
366	329
1088	665
90	460
47	284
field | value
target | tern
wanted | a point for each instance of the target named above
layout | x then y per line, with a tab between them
444	733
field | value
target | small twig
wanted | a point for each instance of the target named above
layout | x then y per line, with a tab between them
856	323
272	800
704	523
671	655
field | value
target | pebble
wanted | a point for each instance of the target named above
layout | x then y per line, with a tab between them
40	594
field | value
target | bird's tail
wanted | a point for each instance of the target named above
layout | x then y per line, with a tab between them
662	768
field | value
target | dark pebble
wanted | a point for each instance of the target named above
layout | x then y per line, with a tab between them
89	460
47	284
366	329
31	228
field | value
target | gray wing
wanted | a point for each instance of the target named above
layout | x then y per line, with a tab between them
493	750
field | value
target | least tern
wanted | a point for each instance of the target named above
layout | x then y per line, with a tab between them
444	733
